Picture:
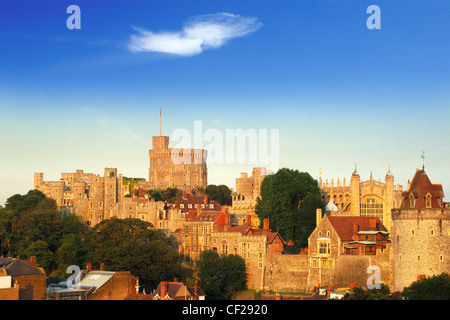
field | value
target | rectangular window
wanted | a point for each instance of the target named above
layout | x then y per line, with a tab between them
324	247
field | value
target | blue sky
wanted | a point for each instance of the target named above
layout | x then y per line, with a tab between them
338	92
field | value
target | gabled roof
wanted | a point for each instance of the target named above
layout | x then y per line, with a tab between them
96	278
249	231
17	267
420	187
187	199
178	289
343	225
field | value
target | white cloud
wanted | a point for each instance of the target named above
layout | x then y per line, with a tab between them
198	33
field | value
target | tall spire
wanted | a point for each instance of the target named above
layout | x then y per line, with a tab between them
160	122
423	160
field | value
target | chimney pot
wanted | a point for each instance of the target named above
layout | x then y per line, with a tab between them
318	216
33	261
266	224
102	266
163	289
355	231
88	266
373	224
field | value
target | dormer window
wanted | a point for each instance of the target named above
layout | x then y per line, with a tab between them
412	201
428	201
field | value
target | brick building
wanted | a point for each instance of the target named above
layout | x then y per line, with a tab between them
197	229
250	243
178	291
21	279
96	285
342	247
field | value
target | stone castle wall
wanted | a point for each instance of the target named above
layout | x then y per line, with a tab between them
181	168
421	244
283	273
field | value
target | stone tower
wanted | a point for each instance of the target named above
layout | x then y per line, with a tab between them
421	230
176	168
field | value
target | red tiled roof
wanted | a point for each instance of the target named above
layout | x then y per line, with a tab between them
249	231
344	225
172	288
420	187
185	200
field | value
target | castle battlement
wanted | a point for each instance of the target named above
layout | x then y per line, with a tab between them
421	214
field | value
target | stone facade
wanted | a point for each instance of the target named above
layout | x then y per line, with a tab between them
27	280
421	244
421	232
90	196
247	191
328	250
370	198
176	168
197	229
284	273
249	243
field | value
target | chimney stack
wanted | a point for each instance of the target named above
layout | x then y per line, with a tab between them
206	200
33	261
227	220
102	266
88	266
184	195
249	220
355	231
372	224
318	216
163	289
266	224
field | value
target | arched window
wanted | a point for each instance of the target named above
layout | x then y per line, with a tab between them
372	206
428	201
412	202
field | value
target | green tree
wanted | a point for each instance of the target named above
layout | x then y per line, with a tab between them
5	230
155	194
31	225
220	193
436	287
132	244
36	225
359	293
170	195
210	274
306	222
221	277
44	256
72	251
289	199
234	275
33	200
